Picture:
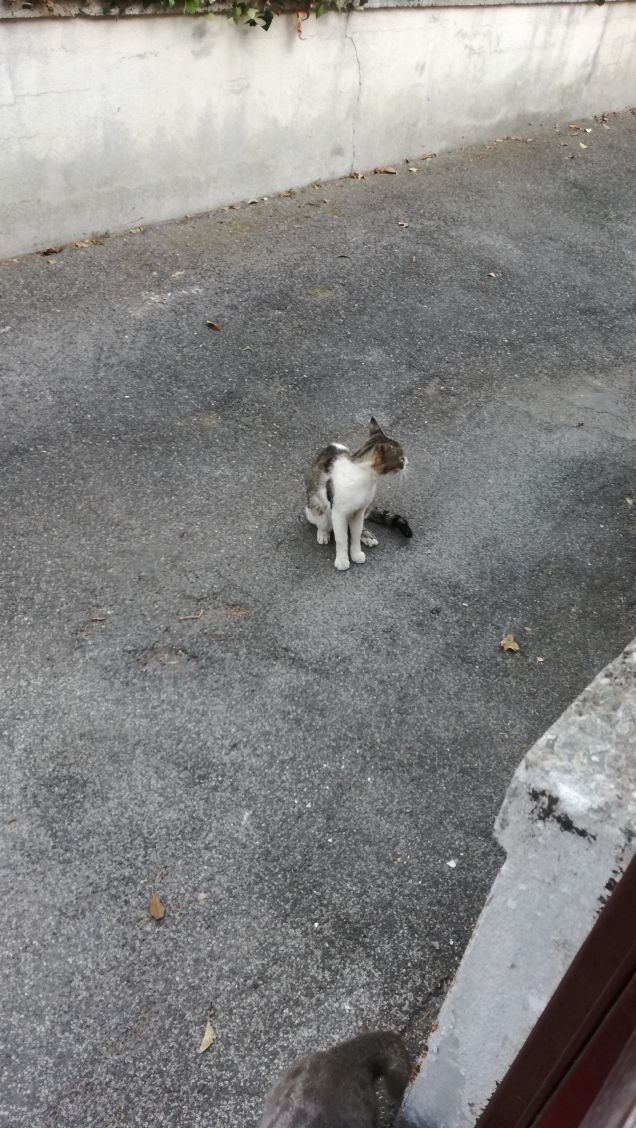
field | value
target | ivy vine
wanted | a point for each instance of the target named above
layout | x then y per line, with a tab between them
253	13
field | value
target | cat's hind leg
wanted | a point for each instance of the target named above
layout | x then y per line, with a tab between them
369	540
321	518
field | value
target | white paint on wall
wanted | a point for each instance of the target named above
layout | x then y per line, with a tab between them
112	124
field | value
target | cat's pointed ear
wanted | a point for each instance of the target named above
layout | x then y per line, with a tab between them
374	427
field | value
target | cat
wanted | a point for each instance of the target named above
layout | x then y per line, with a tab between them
341	487
336	1088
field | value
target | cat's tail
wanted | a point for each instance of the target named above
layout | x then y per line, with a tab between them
394	1064
391	520
384	1054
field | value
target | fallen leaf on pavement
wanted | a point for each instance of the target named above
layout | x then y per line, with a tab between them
358	176
156	908
582	146
630	501
236	612
412	168
451	863
509	642
214	325
202	898
386	168
402	223
51	251
320	292
540	659
209	1036
136	230
81	243
51	261
491	274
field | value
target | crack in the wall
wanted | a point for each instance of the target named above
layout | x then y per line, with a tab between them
354	120
47	93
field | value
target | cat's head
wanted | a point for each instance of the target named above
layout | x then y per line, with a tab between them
386	455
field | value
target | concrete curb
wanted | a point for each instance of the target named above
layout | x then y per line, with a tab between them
568	825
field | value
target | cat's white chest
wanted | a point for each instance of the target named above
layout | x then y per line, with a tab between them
354	486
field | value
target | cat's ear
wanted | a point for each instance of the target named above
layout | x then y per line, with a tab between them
374	427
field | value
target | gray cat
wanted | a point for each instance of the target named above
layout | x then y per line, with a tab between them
336	1088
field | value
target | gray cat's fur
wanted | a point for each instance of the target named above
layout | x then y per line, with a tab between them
336	1088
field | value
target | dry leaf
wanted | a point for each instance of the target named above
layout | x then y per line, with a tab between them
451	863
202	898
358	176
588	129
412	168
51	251
209	1036
630	501
81	243
236	612
540	659
402	223
156	908
509	642
320	292
214	325
491	274
51	261
582	146
136	230
387	168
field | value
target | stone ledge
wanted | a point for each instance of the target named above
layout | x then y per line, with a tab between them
568	825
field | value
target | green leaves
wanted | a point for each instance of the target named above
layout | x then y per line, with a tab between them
255	13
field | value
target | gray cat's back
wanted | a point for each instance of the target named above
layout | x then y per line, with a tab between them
336	1088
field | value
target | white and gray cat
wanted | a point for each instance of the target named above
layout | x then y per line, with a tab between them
341	487
336	1088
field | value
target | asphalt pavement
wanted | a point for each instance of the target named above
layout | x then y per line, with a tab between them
195	703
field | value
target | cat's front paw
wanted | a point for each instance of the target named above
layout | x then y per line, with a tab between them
323	536
342	564
358	557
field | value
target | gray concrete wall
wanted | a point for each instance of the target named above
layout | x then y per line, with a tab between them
568	826
112	124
